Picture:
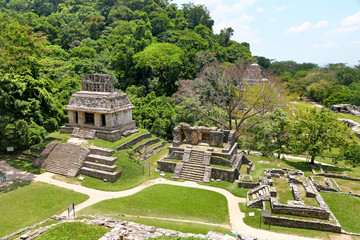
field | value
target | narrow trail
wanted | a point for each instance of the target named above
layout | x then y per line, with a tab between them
95	196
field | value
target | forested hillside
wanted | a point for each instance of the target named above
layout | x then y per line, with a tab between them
45	47
155	50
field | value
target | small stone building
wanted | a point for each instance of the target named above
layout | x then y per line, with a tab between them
99	110
253	75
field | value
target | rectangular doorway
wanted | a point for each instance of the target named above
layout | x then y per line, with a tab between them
89	118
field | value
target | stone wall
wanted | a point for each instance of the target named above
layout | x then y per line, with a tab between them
223	174
44	154
146	144
220	161
133	141
166	166
298	210
114	135
297	223
331	175
249	185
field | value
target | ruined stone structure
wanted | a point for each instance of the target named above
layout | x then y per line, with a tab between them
253	75
346	108
200	147
317	216
99	110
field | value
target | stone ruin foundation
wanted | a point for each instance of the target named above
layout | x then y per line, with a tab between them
318	217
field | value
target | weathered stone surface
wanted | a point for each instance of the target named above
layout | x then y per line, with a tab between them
133	141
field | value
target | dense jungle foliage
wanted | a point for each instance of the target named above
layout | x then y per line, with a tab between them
148	45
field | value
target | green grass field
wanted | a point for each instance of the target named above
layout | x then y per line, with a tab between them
167	201
29	203
346	209
74	231
178	226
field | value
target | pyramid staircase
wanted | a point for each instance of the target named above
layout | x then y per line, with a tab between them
65	159
193	169
259	194
100	164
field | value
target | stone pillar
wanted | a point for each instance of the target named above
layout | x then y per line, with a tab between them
97	119
71	115
109	120
216	138
81	116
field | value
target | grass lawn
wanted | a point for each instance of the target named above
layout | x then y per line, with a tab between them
346	209
74	231
22	165
348	185
33	202
277	163
168	202
112	145
255	223
178	226
231	187
283	190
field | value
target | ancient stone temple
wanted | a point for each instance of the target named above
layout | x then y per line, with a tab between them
253	75
202	153
99	110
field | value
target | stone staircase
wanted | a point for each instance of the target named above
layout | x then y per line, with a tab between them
86	133
194	169
258	194
100	164
65	159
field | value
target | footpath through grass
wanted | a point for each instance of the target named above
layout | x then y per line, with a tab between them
32	203
74	231
167	201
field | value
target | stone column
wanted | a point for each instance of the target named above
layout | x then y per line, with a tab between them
71	115
81	116
97	120
109	120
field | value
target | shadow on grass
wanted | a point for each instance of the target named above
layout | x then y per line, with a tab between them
303	166
22	164
13	185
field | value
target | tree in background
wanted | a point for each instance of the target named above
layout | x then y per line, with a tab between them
315	131
270	135
221	95
163	60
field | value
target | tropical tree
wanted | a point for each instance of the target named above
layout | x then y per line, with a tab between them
315	131
221	95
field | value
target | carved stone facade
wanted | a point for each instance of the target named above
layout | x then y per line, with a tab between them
100	107
253	75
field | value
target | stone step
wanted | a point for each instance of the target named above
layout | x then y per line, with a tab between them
99	174
194	179
101	159
99	166
101	151
191	171
200	176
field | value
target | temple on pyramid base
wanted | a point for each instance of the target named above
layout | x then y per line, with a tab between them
99	110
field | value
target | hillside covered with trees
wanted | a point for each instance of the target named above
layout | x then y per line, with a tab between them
168	60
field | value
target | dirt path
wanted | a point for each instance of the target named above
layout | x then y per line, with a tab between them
95	196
